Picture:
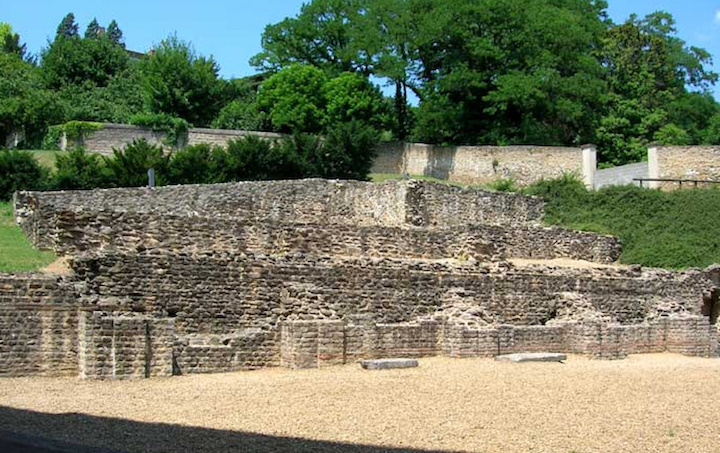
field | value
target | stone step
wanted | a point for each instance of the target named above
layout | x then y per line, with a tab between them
532	357
388	364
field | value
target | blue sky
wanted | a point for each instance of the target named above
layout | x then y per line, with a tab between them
231	30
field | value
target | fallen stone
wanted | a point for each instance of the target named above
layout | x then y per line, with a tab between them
388	364
532	357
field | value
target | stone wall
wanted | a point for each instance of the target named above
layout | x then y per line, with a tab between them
38	326
393	204
199	279
466	164
684	162
479	164
117	136
79	231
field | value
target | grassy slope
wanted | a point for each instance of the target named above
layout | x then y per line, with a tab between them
677	229
16	253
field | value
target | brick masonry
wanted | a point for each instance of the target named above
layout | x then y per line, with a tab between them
201	279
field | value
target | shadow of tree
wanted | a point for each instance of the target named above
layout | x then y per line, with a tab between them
23	431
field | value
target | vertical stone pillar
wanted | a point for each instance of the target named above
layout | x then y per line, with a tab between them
589	165
653	167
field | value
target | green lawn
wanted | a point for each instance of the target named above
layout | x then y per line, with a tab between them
16	253
46	158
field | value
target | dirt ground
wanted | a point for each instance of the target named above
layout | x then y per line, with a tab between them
647	403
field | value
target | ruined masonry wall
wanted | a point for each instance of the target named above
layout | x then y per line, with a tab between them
79	231
38	326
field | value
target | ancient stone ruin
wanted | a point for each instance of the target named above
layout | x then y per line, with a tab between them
300	274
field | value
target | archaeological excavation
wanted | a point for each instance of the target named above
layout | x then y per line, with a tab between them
313	273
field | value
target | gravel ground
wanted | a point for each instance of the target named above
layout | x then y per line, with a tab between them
647	403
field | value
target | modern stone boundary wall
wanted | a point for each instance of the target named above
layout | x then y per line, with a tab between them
683	162
466	164
480	164
38	326
116	136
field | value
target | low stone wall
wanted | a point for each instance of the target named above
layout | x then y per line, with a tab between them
479	164
38	326
394	204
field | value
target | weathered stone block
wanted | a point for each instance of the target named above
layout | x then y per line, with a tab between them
388	364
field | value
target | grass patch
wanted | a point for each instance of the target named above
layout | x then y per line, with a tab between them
674	230
16	253
46	158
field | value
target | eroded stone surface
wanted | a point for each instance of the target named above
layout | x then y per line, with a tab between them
532	357
388	364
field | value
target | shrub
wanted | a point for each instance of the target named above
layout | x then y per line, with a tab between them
79	170
128	167
503	185
347	152
19	170
196	165
254	158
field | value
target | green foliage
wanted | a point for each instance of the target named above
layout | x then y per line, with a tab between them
252	158
24	103
241	115
10	42
19	171
128	167
178	82
116	103
503	185
77	130
347	152
114	33
175	129
198	164
658	229
351	97
670	134
67	28
72	61
78	169
294	99
16	252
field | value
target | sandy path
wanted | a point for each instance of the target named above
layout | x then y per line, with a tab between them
649	403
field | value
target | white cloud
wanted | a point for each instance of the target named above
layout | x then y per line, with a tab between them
717	16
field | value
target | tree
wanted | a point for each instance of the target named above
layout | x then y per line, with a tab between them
351	97
94	30
114	34
294	99
67	28
178	82
24	103
10	42
75	61
648	72
510	71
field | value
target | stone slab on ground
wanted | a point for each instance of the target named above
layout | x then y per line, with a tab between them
532	357
388	364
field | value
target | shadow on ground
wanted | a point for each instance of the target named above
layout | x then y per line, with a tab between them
23	431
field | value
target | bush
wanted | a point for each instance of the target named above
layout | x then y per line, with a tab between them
254	158
19	171
198	164
347	152
128	167
79	170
